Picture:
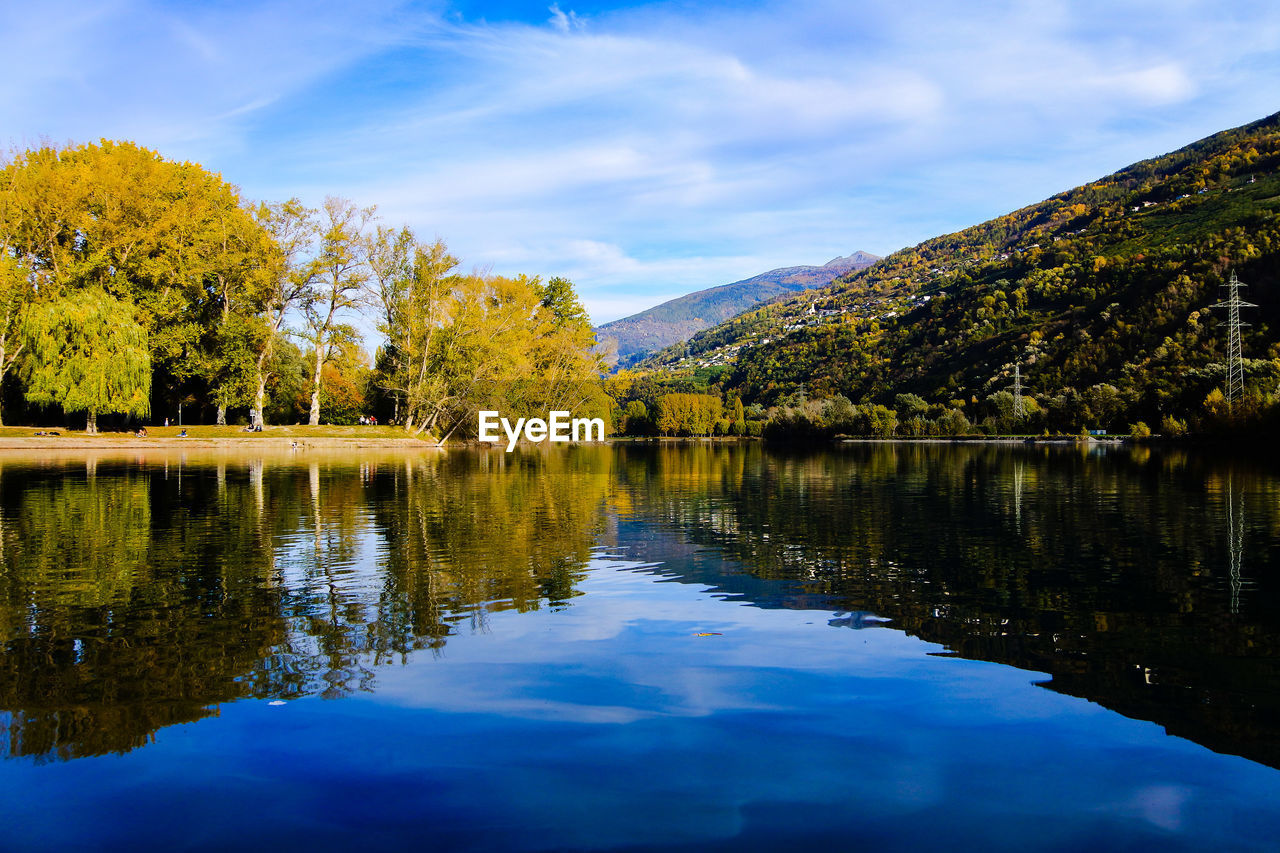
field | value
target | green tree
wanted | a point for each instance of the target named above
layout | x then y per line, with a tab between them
285	399
417	320
288	278
391	254
565	362
86	352
910	406
954	422
881	420
558	297
1171	426
237	290
171	238
16	296
340	274
636	419
839	414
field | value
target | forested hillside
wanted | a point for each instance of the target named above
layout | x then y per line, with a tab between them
678	319
1101	296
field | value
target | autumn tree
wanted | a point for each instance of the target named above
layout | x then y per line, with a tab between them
170	238
340	271
400	286
289	275
16	295
688	414
237	289
86	352
739	417
563	342
467	342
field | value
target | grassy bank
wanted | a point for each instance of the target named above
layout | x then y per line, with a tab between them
304	436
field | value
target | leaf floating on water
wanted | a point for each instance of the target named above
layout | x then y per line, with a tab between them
709	634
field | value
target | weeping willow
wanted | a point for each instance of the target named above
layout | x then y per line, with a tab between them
86	353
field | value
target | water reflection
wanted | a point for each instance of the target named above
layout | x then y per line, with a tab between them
1119	574
1235	539
136	593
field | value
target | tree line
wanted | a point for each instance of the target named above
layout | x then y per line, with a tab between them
133	284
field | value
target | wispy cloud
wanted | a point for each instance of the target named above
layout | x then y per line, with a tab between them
649	150
562	21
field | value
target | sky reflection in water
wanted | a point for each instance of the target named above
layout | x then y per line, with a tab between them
577	708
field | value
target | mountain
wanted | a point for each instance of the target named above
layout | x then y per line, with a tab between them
1102	296
678	319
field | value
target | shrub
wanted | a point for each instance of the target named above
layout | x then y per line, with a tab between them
1172	426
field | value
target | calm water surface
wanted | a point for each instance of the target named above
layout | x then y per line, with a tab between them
690	648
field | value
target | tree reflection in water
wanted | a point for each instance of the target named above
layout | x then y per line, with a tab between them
139	593
1145	581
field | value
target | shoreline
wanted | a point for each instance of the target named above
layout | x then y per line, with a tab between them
128	443
332	438
213	437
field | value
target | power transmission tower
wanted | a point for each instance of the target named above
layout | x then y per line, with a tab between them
1235	363
1019	408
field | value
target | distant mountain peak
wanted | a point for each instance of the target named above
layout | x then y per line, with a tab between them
679	319
858	258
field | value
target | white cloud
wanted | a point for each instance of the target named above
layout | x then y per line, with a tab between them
562	21
1160	84
182	80
654	150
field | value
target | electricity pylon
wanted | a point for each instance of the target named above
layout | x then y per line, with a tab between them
1019	408
1235	363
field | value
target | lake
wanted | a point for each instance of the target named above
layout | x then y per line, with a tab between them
641	647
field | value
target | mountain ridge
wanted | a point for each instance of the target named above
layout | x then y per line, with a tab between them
1101	293
677	319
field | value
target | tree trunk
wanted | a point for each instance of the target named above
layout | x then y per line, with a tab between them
222	416
314	420
315	391
91	423
258	416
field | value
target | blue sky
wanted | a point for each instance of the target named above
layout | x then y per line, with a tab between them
646	150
